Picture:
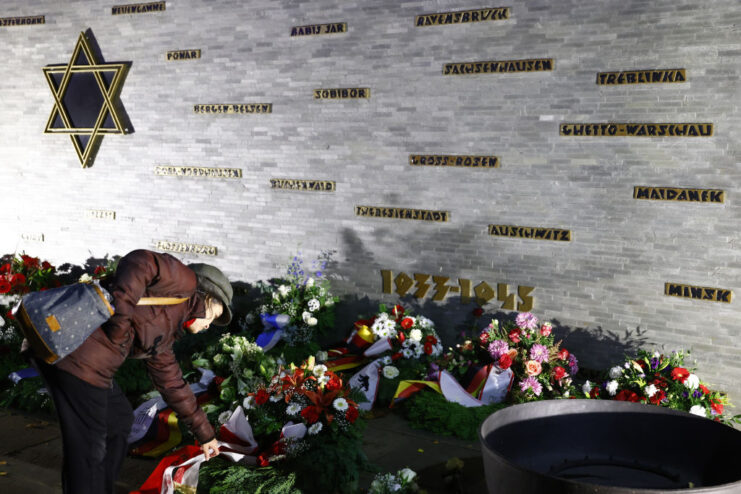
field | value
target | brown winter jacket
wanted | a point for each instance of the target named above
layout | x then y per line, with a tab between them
146	332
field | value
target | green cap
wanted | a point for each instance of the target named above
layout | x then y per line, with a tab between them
213	281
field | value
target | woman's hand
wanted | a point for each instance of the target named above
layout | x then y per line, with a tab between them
210	449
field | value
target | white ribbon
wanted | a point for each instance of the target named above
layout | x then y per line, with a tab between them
367	381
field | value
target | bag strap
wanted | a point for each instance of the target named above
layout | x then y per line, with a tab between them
160	301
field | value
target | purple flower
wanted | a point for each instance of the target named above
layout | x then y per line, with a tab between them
531	383
573	364
697	394
497	348
654	363
539	353
526	320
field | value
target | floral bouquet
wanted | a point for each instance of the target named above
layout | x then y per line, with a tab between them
404	345
402	482
295	310
542	370
663	380
240	367
321	413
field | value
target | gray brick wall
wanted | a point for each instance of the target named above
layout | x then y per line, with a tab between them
605	287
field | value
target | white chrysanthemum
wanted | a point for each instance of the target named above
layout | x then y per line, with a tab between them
309	282
390	324
382	316
377	326
650	390
390	372
587	387
248	402
283	290
315	428
86	278
418	351
224	417
698	410
293	409
407	353
313	304
612	387
276	398
386	360
692	381
437	350
382	332
415	335
319	370
407	474
340	404
616	372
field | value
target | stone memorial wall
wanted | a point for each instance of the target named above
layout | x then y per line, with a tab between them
583	165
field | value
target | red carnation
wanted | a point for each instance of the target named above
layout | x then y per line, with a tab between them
428	348
401	336
4	286
505	361
407	322
484	338
627	395
5	268
563	354
351	414
310	414
717	406
559	372
478	312
680	374
431	339
46	265
704	389
660	382
514	335
261	397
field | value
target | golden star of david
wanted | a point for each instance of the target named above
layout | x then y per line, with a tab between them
86	99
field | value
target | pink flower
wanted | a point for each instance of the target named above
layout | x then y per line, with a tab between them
531	383
526	320
533	368
545	329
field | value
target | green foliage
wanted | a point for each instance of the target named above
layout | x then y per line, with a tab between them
431	411
219	476
25	396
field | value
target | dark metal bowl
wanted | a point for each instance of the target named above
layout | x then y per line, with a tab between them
607	447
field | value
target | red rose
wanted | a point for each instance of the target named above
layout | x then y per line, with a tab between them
401	336
514	335
262	460
5	268
29	261
627	395
17	279
428	348
310	414
334	383
658	397
351	414
478	312
717	406
660	382
431	339
261	397
704	389
559	372
505	361
680	374
407	322
4	286
46	265
563	354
